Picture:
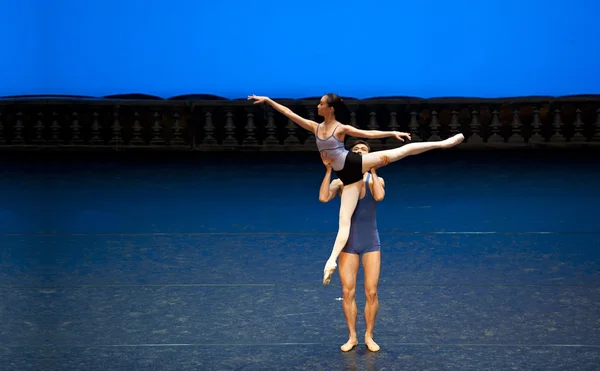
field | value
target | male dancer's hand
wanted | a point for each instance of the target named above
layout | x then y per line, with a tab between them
326	161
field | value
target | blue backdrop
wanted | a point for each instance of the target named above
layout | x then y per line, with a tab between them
424	48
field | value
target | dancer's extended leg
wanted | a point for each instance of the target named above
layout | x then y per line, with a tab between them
383	158
350	195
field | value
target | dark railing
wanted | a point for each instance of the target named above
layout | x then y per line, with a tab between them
224	125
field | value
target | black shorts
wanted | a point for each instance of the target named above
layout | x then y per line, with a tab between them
352	171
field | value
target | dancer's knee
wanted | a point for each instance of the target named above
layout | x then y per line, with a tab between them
387	157
349	293
345	219
371	294
384	160
343	234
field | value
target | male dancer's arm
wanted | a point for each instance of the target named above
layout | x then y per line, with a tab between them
329	188
378	186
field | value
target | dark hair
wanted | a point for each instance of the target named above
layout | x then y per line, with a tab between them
334	101
360	141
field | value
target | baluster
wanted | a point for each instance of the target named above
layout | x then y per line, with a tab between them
516	126
434	126
557	125
75	130
495	129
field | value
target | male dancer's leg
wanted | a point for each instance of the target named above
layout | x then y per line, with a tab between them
348	271
371	265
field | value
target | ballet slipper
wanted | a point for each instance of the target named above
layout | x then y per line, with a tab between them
328	273
351	344
371	345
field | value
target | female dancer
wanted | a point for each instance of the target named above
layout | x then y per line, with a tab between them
350	166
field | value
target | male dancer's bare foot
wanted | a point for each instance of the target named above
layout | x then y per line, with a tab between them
371	345
352	342
453	141
328	272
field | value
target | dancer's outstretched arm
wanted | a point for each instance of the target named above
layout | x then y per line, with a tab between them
373	134
304	123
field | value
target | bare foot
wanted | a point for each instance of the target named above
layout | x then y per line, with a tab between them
371	345
328	272
453	141
349	345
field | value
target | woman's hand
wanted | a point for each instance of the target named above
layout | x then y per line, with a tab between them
400	135
258	99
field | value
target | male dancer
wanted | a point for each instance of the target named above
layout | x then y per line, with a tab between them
363	240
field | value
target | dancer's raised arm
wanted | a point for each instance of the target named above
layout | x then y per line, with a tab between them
306	124
329	188
378	186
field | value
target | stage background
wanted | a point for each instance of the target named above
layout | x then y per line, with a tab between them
431	48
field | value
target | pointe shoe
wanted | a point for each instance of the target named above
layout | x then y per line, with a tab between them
453	141
328	273
457	139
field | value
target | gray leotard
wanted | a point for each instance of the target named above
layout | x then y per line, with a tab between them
333	148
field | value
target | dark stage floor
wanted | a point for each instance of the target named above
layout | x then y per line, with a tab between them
490	261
